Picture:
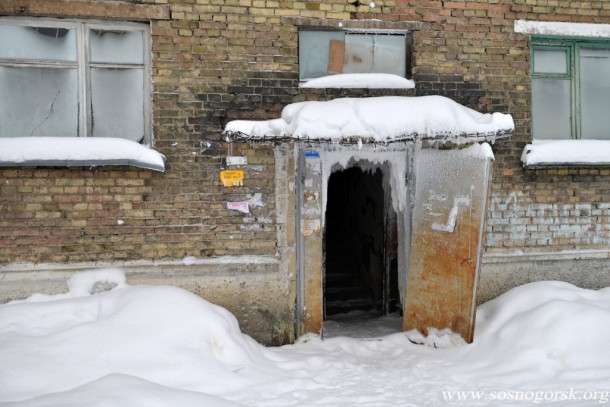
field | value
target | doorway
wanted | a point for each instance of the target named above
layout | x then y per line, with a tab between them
360	247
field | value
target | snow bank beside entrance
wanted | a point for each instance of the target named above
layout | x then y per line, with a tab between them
162	335
381	119
163	346
542	335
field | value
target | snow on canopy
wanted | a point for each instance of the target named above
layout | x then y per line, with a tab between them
106	343
378	120
566	152
77	151
360	81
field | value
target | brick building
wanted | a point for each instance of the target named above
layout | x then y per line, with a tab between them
203	63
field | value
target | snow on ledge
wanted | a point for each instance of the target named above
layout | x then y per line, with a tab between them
559	28
360	80
77	151
567	153
376	119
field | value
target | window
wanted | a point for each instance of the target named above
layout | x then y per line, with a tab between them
329	52
64	78
570	89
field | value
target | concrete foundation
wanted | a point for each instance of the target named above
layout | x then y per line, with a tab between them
500	273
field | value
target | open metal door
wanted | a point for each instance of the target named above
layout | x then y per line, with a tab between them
451	191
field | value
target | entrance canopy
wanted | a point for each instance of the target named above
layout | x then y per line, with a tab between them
434	240
379	120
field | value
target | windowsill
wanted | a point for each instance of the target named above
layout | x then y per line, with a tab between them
359	81
566	154
77	152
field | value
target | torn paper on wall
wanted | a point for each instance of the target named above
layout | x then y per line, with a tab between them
239	206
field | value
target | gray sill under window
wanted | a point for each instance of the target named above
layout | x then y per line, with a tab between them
77	152
542	166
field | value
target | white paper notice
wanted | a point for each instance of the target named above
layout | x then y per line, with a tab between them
239	206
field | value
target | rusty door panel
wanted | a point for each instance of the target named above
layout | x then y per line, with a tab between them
448	216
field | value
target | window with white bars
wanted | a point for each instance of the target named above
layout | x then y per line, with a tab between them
63	78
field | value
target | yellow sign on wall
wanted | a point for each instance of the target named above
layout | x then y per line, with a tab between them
233	178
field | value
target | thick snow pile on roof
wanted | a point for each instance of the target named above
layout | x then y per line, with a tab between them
117	345
380	119
567	152
77	151
360	80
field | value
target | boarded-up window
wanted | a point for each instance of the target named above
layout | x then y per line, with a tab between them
323	53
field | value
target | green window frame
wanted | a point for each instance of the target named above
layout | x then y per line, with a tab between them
570	88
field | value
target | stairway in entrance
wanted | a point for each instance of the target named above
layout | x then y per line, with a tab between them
345	289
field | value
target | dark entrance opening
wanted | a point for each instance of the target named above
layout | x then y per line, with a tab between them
360	244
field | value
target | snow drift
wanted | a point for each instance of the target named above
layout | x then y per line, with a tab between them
162	335
105	343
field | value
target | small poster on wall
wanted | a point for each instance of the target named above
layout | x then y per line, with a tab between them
232	178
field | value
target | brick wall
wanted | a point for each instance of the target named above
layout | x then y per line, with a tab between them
218	60
469	52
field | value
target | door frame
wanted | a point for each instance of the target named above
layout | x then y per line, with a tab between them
314	164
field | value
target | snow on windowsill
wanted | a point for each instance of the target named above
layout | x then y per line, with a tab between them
378	120
360	81
74	151
566	153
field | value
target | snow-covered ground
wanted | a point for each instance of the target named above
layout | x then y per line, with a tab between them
105	343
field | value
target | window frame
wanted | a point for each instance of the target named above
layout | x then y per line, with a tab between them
573	46
407	34
84	66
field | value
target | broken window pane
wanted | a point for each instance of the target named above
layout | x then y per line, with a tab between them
124	47
44	43
38	102
551	109
117	107
595	93
359	53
